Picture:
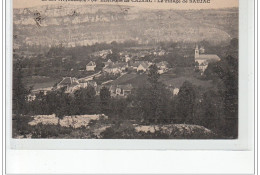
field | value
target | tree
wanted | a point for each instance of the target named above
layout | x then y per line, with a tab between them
63	105
40	104
153	75
152	106
185	103
86	101
208	112
152	100
225	76
100	65
104	99
114	56
20	93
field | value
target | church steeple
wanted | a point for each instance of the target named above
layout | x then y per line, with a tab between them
197	52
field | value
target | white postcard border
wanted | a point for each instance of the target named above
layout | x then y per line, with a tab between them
70	161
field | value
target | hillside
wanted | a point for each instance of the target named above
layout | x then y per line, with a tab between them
89	24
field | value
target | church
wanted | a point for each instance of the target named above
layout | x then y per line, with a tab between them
204	59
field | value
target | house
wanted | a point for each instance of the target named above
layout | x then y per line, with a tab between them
70	84
120	90
91	66
134	65
162	66
204	59
83	83
64	83
73	87
162	53
108	63
140	65
44	90
116	90
176	91
122	65
159	53
126	89
103	53
32	95
112	69
115	68
173	90
202	66
143	67
127	58
92	83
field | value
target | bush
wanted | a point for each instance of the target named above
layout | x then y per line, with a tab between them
120	131
20	125
48	131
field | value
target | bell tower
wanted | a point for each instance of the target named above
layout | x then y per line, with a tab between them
197	52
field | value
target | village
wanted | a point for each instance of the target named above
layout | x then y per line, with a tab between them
117	71
129	64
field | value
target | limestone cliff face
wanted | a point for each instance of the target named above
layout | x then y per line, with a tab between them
88	24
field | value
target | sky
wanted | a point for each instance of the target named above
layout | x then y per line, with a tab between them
214	4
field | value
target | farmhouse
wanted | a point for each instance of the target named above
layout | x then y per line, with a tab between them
91	66
204	59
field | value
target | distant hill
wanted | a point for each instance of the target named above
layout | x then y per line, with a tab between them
89	24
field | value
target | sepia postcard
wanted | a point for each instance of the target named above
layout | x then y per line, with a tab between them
125	69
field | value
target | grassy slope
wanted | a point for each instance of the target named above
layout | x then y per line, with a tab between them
168	79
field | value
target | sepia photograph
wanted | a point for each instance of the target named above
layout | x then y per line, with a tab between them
114	69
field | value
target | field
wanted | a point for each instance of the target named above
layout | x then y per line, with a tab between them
137	80
177	82
40	81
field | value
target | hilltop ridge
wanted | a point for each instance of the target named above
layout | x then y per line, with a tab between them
89	24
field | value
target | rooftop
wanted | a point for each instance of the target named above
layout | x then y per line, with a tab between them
65	81
208	57
91	63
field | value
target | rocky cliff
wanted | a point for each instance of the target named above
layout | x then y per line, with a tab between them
89	24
